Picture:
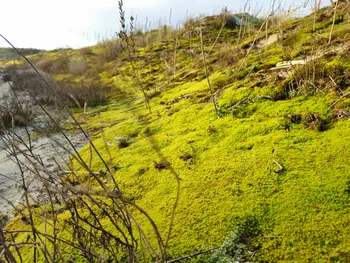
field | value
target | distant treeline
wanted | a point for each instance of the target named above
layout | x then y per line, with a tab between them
9	53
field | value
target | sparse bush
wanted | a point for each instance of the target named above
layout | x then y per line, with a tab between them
279	19
3	220
14	67
45	65
189	22
78	65
94	93
29	80
339	74
111	49
61	64
7	77
13	113
229	56
315	77
91	91
86	51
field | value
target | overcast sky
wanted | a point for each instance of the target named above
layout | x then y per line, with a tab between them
50	24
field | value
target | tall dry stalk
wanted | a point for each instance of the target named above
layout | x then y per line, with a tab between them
207	75
333	24
130	48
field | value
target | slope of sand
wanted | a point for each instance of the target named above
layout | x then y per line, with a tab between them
50	152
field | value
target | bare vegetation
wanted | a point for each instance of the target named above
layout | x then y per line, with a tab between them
92	92
15	112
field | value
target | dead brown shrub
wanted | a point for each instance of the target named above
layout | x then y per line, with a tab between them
110	50
91	91
15	112
78	65
45	65
229	56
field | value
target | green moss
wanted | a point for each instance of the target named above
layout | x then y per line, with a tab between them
233	181
225	173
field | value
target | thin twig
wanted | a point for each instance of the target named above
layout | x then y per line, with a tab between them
337	101
281	168
334	18
206	74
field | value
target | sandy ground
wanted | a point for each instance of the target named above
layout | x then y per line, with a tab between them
264	42
10	175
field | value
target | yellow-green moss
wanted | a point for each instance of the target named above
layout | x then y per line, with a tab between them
232	171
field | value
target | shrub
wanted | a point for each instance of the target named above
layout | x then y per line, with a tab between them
229	56
91	91
315	77
13	113
78	65
7	77
111	49
45	65
11	68
61	64
28	80
86	51
3	220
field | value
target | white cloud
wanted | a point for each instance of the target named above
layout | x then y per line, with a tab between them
57	23
143	3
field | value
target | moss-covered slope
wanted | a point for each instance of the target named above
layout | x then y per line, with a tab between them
279	153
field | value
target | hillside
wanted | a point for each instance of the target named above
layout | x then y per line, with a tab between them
267	170
9	53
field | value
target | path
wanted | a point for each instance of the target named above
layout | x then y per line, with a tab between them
46	148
